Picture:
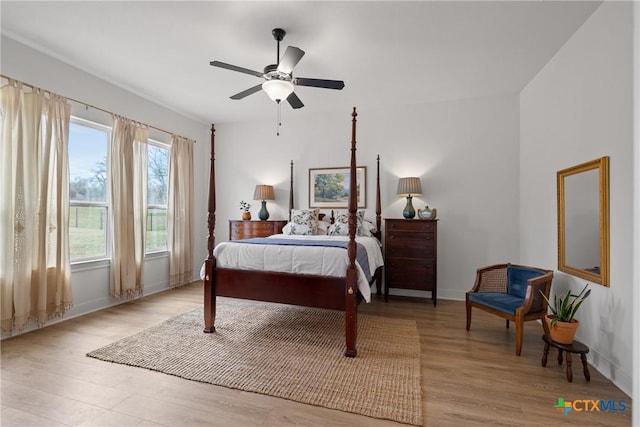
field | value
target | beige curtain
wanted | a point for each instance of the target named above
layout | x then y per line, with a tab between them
128	201
34	171
180	218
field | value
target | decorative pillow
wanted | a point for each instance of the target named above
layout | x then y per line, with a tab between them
287	228
323	228
364	227
303	222
338	229
343	217
367	229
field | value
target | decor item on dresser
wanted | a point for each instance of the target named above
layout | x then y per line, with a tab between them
332	276
513	292
410	256
409	187
561	325
329	187
239	230
263	193
244	207
427	213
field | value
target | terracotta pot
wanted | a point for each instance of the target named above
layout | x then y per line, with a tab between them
246	216
562	332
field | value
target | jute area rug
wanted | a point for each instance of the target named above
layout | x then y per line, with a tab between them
290	352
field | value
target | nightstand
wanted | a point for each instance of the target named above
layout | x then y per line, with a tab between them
410	255
247	229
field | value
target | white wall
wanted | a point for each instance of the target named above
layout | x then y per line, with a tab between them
465	151
636	208
488	165
90	281
578	108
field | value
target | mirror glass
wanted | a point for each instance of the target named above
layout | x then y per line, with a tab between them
583	221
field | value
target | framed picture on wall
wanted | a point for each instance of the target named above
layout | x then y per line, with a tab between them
329	187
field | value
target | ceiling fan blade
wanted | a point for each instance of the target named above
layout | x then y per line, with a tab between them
235	68
294	101
290	58
327	84
247	92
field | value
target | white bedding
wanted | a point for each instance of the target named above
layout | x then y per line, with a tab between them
316	260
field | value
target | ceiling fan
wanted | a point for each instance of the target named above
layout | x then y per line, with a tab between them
279	82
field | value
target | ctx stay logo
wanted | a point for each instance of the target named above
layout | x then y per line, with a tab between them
587	405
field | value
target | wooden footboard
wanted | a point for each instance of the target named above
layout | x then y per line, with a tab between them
304	290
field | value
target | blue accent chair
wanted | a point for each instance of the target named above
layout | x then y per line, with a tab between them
512	292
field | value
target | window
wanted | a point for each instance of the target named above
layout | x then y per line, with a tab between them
88	208
89	205
157	196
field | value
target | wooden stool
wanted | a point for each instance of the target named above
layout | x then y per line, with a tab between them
576	347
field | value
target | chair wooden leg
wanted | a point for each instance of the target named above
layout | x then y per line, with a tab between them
519	336
468	315
507	323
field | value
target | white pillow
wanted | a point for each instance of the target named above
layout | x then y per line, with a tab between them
364	227
323	228
367	229
338	229
303	222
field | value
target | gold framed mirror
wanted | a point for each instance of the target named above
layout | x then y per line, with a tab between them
583	220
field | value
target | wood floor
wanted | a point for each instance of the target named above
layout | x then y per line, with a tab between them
469	378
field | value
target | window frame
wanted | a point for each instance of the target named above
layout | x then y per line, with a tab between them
108	246
153	252
166	146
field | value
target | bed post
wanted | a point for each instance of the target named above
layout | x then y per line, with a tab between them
210	262
378	273
378	203
351	319
291	191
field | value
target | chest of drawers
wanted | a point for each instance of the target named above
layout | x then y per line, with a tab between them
410	255
247	229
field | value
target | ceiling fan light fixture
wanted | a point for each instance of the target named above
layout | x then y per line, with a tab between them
277	90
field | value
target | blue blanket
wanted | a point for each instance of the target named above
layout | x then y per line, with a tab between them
361	252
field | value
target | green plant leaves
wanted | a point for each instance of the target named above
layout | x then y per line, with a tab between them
565	307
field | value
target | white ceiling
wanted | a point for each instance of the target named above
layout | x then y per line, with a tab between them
388	53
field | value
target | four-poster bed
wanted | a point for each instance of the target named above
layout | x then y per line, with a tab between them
311	290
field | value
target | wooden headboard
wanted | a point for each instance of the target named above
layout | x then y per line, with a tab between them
378	233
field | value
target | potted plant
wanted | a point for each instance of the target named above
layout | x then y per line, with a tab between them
244	207
561	324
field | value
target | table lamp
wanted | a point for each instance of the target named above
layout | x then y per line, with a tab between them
263	193
409	187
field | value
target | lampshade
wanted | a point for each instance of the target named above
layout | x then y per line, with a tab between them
409	187
277	90
263	192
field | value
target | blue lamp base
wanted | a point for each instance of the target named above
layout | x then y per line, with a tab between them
409	212
264	213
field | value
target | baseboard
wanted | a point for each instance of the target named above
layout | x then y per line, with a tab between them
87	308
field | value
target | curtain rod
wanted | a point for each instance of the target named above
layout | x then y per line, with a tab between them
88	105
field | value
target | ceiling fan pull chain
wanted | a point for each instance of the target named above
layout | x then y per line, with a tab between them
279	119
